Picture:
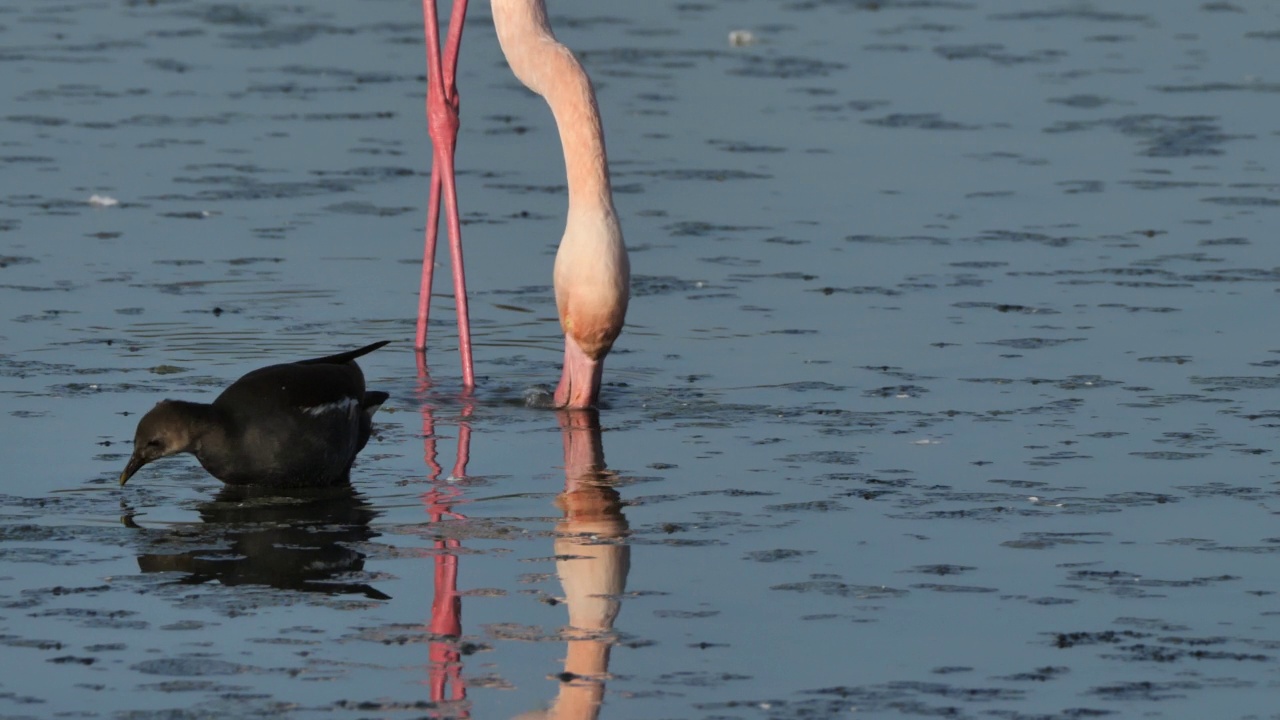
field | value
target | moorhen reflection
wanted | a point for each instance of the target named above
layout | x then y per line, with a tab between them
592	562
289	539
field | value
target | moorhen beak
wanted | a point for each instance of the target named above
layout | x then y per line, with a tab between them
297	424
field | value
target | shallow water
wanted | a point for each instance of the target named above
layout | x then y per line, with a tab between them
949	384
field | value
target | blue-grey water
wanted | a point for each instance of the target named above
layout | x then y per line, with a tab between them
949	388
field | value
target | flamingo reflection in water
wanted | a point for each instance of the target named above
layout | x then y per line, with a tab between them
592	562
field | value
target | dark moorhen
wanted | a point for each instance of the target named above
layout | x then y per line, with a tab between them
297	424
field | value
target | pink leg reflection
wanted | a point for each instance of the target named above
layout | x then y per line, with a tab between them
448	689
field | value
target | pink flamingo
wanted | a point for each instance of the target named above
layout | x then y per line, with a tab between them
592	273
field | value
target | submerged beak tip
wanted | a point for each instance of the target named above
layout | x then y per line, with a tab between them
135	464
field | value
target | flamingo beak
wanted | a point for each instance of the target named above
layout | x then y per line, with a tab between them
580	382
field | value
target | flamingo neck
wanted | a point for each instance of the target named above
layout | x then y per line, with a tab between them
550	70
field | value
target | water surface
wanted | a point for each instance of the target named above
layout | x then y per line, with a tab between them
949	384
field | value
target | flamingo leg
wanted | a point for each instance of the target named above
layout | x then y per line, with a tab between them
428	266
442	125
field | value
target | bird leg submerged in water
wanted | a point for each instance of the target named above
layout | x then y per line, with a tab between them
296	424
